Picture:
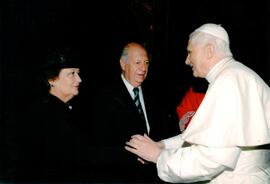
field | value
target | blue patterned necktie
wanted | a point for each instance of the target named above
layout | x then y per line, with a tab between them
139	107
137	101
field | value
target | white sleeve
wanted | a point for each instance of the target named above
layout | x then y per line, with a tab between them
195	163
173	142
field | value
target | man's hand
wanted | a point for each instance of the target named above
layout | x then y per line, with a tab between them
144	147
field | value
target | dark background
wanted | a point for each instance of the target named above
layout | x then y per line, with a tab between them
98	30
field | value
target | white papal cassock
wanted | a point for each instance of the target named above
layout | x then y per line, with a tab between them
226	141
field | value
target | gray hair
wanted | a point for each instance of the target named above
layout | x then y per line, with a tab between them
124	54
125	51
201	39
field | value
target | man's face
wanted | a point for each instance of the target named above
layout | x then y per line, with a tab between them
196	59
135	69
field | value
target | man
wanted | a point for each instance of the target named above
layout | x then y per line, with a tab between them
190	102
115	117
227	139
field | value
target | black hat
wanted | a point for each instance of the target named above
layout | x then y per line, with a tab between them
63	58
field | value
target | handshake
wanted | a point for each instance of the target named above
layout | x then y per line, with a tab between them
145	148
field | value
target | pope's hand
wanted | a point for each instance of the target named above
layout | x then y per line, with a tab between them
144	147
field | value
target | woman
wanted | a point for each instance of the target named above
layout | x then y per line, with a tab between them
52	146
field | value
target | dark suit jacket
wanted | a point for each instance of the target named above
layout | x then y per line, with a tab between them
114	120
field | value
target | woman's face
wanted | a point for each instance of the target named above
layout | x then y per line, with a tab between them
66	85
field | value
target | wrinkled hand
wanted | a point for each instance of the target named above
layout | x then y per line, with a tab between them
144	147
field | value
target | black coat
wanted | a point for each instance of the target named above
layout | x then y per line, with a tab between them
51	145
114	119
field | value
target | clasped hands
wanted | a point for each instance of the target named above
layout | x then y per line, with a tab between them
144	147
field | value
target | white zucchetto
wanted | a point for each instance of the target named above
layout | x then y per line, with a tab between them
214	30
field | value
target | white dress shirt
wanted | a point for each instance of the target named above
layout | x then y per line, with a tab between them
130	90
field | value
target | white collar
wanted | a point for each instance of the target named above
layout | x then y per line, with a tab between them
129	86
210	77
